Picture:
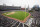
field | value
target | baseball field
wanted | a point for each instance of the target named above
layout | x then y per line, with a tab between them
20	15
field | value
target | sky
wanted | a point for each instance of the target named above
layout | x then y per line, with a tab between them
22	3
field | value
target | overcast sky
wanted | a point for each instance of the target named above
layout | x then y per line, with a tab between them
21	3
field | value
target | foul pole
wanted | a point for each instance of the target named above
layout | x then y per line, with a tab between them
25	10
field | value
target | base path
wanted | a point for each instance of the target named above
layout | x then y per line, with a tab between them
10	13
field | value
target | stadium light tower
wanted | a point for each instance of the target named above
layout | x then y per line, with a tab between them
28	7
4	4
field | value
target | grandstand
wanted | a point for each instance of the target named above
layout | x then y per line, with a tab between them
9	7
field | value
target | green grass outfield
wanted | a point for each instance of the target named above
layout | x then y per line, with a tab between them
20	15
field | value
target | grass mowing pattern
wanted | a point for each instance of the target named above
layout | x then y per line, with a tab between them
20	15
